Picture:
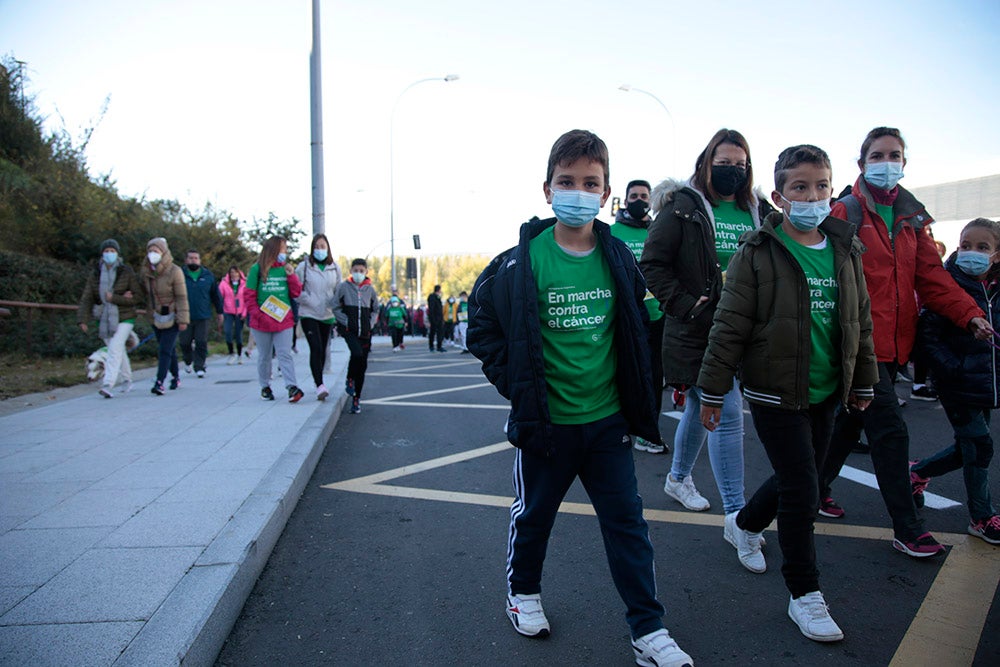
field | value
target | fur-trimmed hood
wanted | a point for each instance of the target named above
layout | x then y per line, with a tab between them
665	191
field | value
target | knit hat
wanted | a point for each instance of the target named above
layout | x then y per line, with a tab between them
160	243
111	243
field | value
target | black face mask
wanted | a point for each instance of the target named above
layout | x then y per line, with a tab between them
728	179
193	267
637	209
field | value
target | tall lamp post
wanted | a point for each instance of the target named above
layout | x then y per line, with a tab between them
673	127
392	170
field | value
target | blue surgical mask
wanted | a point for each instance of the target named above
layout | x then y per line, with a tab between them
973	262
110	258
359	276
883	175
282	257
320	254
575	208
806	216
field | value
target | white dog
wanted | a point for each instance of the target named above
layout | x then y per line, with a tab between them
97	358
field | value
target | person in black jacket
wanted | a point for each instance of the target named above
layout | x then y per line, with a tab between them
559	324
967	376
435	313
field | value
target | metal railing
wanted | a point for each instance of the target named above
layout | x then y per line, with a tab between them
49	310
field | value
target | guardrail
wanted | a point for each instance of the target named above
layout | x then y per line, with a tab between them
49	309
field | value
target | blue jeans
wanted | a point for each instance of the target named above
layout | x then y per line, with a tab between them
599	454
232	325
725	446
167	352
972	451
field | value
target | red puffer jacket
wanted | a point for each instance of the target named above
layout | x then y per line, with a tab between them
900	270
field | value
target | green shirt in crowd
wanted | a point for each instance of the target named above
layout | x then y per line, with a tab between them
635	239
730	223
885	212
275	285
396	316
817	263
576	306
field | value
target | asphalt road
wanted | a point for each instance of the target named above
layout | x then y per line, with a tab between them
395	553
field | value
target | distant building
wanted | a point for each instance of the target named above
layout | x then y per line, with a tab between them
954	204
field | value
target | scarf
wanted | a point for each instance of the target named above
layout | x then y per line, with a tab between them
109	311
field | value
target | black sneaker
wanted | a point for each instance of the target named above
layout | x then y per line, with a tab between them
266	394
174	383
355	406
988	529
294	394
903	376
157	389
924	393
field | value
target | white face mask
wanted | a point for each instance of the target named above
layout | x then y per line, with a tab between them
110	257
358	276
154	257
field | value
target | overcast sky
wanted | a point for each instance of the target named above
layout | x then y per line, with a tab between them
209	100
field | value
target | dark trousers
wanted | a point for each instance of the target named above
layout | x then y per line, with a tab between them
599	454
397	336
232	326
437	329
318	336
449	330
196	334
890	444
796	442
654	336
356	367
166	355
971	453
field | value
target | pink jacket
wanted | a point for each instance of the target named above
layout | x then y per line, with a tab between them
233	304
262	322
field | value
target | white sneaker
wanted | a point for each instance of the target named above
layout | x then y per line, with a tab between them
812	616
232	360
747	545
200	374
644	445
240	359
188	368
125	388
527	616
685	493
658	649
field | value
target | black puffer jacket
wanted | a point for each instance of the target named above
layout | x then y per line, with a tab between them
964	369
681	266
505	334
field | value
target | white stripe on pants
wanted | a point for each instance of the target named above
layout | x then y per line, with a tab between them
117	361
281	342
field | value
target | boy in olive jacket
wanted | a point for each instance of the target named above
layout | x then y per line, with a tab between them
794	321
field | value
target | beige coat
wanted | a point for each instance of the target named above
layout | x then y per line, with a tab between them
165	286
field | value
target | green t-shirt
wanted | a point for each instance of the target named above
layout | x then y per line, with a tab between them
730	223
396	316
576	306
817	263
635	239
885	212
276	284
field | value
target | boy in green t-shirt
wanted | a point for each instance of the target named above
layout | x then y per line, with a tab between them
794	320
558	322
632	227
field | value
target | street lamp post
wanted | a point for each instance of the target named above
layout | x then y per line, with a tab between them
392	170
673	127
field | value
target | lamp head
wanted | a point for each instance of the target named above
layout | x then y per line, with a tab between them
451	77
625	87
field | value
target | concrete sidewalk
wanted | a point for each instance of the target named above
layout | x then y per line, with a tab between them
133	529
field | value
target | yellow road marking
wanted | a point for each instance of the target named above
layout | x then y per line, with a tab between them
946	629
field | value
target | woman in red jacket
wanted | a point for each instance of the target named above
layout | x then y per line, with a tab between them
901	264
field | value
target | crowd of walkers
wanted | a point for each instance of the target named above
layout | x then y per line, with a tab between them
804	305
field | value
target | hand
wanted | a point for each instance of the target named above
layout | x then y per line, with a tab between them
710	417
83	327
856	403
701	300
182	327
289	270
107	296
127	294
980	328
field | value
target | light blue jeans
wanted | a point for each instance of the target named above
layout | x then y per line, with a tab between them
725	446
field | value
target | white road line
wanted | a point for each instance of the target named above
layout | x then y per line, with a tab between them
416	404
403	374
931	500
432	367
391	399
